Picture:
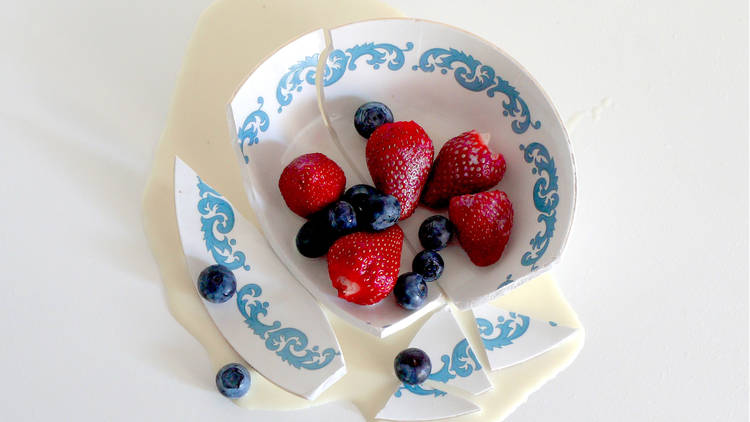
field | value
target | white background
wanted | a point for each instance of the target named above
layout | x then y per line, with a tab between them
657	266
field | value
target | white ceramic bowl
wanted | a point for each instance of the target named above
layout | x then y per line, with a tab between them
447	80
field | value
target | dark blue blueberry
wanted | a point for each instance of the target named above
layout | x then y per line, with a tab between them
357	195
412	366
315	236
428	264
435	232
410	291
379	212
370	116
233	380
217	284
342	218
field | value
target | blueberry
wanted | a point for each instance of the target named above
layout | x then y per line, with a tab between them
233	380
435	232
428	264
370	116
410	291
342	218
357	195
412	366
217	284
379	212
315	236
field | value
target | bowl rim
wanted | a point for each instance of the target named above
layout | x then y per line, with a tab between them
555	112
324	54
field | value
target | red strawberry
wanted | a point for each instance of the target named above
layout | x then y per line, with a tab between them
399	156
310	182
483	222
464	165
364	266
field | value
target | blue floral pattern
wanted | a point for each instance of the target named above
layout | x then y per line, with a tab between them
509	328
508	280
462	362
289	343
217	220
291	81
471	74
545	200
247	134
337	63
419	390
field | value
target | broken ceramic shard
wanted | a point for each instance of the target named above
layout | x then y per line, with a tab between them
510	338
453	363
453	359
272	322
424	403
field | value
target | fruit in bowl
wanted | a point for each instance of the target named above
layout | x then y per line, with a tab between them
310	183
464	165
455	117
363	267
399	157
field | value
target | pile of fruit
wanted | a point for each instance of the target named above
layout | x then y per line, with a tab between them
356	228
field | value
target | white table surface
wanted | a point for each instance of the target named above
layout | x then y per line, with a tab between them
657	265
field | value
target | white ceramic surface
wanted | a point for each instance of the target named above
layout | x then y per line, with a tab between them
417	403
453	359
276	326
453	363
510	338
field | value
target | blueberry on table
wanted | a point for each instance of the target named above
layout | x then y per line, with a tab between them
412	366
379	212
233	380
370	116
410	291
216	283
428	264
315	236
435	232
342	217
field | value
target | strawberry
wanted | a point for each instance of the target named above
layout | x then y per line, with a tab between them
483	222
399	156
464	165
364	266
310	182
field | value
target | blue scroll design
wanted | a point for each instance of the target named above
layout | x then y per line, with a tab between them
462	363
337	64
475	76
419	390
509	328
545	198
508	280
254	123
217	221
289	343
